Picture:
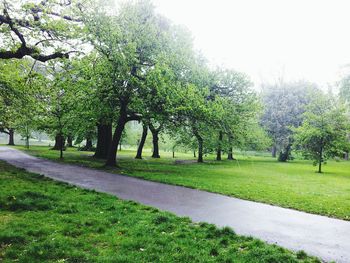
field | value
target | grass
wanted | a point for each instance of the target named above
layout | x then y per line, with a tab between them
46	221
259	178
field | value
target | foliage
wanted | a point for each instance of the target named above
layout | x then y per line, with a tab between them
284	105
323	133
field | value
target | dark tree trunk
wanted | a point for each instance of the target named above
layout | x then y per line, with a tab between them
69	141
88	145
11	137
173	152
230	148
104	140
274	151
320	160
142	141
59	142
155	140
113	149
219	149
200	146
284	155
200	150
230	154
120	145
194	153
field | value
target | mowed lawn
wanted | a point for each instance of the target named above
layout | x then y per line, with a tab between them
46	221
294	184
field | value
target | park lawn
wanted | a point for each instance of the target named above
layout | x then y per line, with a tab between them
46	221
259	178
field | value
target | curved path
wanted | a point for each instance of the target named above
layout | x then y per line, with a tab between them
321	236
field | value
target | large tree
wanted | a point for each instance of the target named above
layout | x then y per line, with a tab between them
323	133
43	30
284	105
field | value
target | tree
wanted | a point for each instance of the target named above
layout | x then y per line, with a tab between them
131	44
323	133
240	106
284	105
19	89
40	29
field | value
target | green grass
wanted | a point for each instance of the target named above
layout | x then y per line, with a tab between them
46	221
294	184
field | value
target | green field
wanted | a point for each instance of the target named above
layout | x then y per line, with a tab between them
294	184
46	221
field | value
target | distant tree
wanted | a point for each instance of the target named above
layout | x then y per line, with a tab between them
323	133
284	105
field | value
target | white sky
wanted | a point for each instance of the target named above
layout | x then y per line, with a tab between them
267	39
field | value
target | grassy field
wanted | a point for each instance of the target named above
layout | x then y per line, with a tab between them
259	178
46	221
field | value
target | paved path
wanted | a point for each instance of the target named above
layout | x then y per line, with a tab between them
321	236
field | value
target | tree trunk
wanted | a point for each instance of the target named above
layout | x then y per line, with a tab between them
155	141
194	153
284	154
88	145
274	151
69	141
142	141
230	154
219	149
113	149
200	146
200	150
11	137
230	148
59	142
174	152
104	140
320	160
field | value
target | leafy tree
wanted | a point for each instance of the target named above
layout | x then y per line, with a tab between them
284	105
40	29
323	133
131	43
241	106
19	90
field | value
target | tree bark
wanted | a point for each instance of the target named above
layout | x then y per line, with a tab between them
142	141
219	149
284	154
59	142
200	146
274	151
194	153
104	140
88	145
230	148
69	141
11	137
155	140
230	154
113	149
320	160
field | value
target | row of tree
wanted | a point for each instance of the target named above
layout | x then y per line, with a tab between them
137	66
105	67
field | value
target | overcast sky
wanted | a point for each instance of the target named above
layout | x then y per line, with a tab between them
267	39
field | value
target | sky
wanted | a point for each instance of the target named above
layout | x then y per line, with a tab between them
269	39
